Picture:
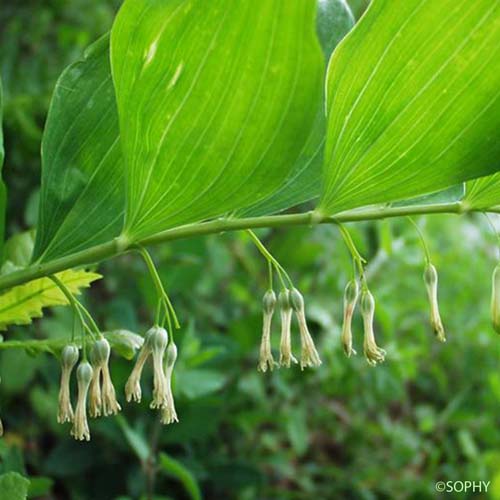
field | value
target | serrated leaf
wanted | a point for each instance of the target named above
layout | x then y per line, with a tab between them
215	102
13	486
82	196
413	98
22	303
303	183
483	193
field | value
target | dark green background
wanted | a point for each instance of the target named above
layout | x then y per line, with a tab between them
346	430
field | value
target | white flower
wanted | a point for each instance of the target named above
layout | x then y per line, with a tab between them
158	341
266	357
80	430
168	413
69	358
431	284
308	355
133	386
495	299
286	311
350	299
372	352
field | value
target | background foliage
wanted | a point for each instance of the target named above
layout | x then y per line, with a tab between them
345	430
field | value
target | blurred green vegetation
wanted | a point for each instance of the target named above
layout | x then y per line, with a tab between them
346	430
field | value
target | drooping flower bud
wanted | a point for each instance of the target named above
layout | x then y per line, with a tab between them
110	405
372	352
286	311
309	355
133	385
266	357
168	413
350	299
495	299
431	284
69	358
159	341
80	430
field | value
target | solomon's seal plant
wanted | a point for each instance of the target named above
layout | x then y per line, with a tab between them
198	118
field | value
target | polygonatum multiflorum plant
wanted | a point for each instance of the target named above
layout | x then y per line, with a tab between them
194	117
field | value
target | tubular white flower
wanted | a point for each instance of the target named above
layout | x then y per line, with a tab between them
308	355
80	430
168	414
286	311
159	341
372	352
431	284
133	390
350	300
69	358
265	356
95	397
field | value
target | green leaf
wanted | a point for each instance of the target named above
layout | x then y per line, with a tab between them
178	470
13	486
82	196
448	195
215	103
413	98
18	250
22	303
303	183
195	383
3	189
122	342
483	193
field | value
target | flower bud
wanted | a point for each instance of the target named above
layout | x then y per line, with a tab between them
372	352
95	396
309	355
69	357
495	299
168	414
286	311
266	357
158	342
350	299
80	430
431	284
133	386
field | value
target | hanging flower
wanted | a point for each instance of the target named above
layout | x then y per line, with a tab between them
95	396
110	405
69	358
286	311
309	355
431	284
80	430
495	299
372	352
159	341
168	414
133	386
350	299
266	357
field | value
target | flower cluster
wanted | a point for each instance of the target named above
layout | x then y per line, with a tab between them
290	302
373	354
95	388
164	354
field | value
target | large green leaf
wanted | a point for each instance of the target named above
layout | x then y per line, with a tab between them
413	98
13	486
483	193
82	196
303	183
3	190
215	100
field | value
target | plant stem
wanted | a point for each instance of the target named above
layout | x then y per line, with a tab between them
120	245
